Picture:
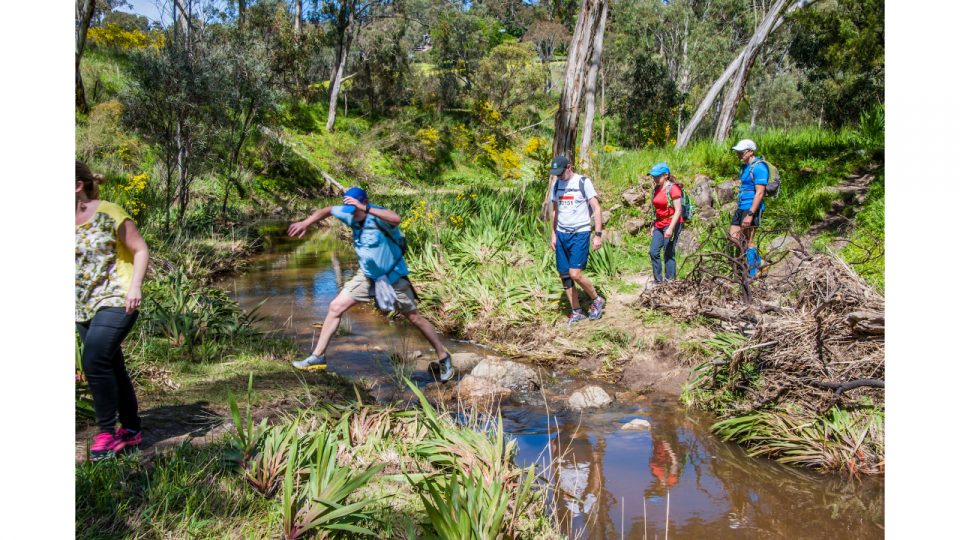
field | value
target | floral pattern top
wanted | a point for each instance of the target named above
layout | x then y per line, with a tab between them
104	265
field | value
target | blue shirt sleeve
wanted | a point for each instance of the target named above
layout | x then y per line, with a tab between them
339	213
760	174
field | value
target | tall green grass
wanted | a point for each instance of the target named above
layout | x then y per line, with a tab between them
483	264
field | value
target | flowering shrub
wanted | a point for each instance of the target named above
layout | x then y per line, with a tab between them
502	158
534	146
429	137
114	36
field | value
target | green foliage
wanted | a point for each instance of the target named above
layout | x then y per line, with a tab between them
191	315
383	78
840	45
460	40
83	401
321	504
648	110
865	250
479	493
509	77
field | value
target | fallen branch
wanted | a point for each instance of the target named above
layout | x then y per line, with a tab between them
276	136
839	388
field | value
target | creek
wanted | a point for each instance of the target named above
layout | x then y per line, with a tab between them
673	480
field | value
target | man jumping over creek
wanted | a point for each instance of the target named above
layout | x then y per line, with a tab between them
383	274
574	206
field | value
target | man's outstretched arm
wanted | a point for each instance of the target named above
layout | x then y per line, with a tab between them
299	228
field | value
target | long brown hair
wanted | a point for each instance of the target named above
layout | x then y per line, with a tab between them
91	184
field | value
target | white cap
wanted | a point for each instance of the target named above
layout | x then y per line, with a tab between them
745	144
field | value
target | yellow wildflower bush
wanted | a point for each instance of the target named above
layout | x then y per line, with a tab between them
488	113
128	193
429	137
534	145
115	36
503	159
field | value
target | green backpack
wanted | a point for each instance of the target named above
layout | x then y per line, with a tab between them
686	203
773	178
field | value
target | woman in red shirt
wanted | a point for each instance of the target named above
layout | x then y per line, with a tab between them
668	221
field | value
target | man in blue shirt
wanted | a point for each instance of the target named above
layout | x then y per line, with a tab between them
753	182
377	243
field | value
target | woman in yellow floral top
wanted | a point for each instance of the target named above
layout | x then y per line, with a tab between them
111	260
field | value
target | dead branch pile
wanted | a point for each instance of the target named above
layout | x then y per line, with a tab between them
816	331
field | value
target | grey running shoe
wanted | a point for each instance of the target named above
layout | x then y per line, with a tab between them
576	317
446	369
596	308
312	363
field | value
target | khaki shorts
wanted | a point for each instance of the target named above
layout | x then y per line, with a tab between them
360	288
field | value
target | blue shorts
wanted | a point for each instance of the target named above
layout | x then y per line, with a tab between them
572	251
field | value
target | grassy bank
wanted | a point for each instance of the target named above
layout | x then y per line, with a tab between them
332	470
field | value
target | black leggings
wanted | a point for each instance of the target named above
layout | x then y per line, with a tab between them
103	365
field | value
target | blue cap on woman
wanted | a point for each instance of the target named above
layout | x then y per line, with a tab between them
660	168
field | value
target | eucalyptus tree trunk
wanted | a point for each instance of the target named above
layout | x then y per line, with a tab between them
298	18
707	102
571	96
336	78
181	15
591	91
242	12
735	92
84	14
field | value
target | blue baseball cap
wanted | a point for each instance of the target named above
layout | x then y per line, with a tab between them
358	194
659	168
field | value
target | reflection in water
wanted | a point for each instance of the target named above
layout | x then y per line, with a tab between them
605	476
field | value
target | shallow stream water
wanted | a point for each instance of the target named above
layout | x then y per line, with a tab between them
673	480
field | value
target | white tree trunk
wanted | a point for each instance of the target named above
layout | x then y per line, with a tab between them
298	18
717	86
335	84
591	89
735	93
337	77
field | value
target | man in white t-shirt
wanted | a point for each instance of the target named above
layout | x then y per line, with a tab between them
575	207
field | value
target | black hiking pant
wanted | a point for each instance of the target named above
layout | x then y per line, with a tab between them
106	373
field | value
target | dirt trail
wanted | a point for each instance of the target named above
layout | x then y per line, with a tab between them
853	197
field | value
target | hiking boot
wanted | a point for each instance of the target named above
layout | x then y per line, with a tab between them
576	317
312	363
446	369
102	447
126	438
596	308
